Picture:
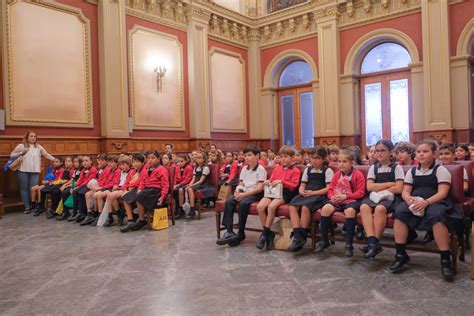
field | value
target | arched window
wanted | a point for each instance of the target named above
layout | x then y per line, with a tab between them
296	73
386	93
296	105
384	57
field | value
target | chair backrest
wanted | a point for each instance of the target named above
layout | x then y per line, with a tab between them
214	174
172	176
364	169
469	165
456	191
269	170
457	183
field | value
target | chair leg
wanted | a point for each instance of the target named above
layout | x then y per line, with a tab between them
218	224
148	220
314	231
198	204
331	234
472	251
171	209
453	241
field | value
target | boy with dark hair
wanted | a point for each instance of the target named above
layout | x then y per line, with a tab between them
249	190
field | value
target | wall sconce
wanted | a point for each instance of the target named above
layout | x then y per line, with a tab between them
160	73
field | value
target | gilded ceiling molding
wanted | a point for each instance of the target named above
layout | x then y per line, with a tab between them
164	12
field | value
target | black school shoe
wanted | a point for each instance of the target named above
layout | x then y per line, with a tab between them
297	244
372	251
321	246
179	214
109	221
120	217
73	216
88	220
261	241
127	227
447	270
400	261
349	250
225	239
39	211
236	240
138	225
270	240
64	216
51	214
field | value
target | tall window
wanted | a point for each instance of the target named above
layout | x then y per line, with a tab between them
296	105
385	93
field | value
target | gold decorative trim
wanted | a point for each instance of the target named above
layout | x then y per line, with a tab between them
180	71
93	1
11	120
216	50
155	19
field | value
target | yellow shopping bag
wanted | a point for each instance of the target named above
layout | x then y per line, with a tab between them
60	208
160	218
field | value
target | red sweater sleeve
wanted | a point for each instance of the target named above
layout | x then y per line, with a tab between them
113	180
291	179
187	175
357	185
130	174
84	179
177	174
58	174
104	176
165	182
234	169
332	185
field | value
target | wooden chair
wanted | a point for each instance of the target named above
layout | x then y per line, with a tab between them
214	182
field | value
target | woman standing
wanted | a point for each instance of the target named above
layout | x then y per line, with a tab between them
30	166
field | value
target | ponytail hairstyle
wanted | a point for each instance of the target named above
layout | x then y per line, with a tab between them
186	158
348	153
357	154
155	153
431	143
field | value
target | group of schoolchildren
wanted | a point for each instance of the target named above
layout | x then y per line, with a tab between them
329	183
418	200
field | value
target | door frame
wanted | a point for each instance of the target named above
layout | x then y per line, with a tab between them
295	91
385	78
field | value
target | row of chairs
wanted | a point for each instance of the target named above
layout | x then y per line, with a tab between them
456	193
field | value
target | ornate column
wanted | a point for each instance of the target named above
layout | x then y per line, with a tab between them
437	99
113	69
198	72
255	78
328	55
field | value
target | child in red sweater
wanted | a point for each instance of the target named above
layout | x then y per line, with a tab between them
130	189
112	179
346	191
88	173
228	171
152	189
288	175
184	175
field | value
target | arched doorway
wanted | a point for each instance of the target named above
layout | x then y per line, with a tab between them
386	94
295	103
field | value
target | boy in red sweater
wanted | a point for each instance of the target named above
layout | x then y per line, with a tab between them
184	175
88	173
288	176
346	191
